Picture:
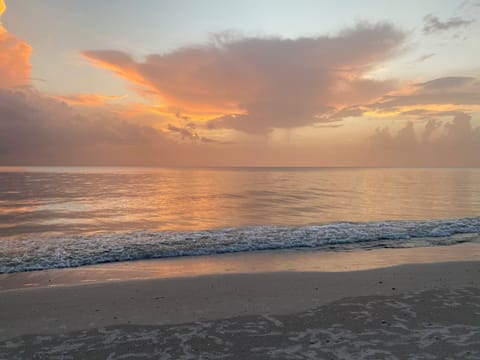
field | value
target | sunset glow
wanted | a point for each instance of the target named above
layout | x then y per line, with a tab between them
14	57
254	179
287	94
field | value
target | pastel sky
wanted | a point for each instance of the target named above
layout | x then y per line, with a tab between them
240	83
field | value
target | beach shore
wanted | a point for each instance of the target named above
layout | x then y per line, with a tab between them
429	307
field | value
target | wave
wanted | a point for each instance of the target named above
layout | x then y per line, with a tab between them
40	253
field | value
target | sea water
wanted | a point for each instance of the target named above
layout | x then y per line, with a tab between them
52	217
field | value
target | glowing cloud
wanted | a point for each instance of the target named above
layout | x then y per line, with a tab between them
258	84
88	99
14	58
439	97
3	7
35	129
251	101
443	94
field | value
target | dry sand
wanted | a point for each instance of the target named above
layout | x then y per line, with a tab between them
417	311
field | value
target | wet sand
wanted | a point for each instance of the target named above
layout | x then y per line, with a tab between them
425	308
294	260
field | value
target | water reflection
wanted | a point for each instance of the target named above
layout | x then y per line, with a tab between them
87	200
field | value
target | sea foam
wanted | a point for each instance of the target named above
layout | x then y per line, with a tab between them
40	252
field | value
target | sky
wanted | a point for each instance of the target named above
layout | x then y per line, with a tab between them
240	83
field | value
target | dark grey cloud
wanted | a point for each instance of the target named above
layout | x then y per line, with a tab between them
37	129
433	24
40	130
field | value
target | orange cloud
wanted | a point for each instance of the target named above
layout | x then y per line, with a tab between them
88	99
36	129
258	84
14	58
123	66
422	110
445	96
202	114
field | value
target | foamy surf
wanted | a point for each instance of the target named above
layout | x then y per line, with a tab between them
40	252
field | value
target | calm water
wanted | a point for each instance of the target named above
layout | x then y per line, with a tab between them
62	207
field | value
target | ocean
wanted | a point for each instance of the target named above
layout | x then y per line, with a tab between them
56	217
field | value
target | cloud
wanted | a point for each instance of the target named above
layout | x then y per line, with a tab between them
14	58
38	129
425	57
88	99
188	132
433	24
184	132
443	96
258	84
462	91
453	143
469	4
446	96
254	85
448	83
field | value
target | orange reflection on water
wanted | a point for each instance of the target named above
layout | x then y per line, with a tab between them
91	200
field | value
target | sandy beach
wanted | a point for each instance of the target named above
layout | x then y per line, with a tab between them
394	312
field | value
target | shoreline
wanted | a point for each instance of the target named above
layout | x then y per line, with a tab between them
265	261
53	310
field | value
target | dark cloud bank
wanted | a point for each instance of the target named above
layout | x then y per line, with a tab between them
35	130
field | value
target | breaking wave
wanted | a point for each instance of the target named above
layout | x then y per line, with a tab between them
39	253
